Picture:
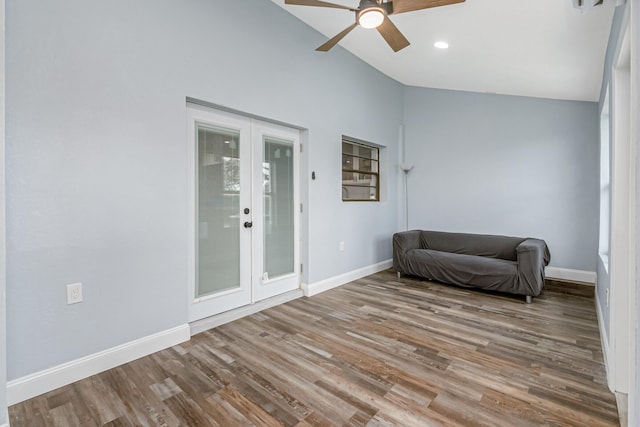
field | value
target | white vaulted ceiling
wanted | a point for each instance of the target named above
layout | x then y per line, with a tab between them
539	48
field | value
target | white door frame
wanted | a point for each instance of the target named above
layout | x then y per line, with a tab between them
4	417
634	32
623	214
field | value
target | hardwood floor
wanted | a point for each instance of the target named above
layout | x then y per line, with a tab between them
380	351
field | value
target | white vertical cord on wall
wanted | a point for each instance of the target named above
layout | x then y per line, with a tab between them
400	209
405	167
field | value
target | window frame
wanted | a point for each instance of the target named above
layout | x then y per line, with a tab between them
374	158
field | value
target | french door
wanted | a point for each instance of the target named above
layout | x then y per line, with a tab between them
243	186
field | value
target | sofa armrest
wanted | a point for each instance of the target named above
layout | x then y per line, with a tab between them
403	242
533	256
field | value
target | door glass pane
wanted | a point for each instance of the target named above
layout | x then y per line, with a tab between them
277	186
218	210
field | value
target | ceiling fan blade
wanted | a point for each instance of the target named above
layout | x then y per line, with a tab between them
392	35
401	6
316	3
332	42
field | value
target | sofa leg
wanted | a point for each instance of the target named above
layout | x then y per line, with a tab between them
398	274
529	299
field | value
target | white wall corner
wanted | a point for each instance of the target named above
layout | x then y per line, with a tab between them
558	273
305	289
32	385
335	281
606	350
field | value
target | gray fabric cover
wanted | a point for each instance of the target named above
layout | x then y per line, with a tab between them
498	263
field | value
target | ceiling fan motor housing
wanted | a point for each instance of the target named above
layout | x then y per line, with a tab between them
371	14
365	5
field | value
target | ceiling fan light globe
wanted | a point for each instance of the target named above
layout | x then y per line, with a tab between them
371	18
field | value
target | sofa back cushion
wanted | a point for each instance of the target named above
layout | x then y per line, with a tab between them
501	247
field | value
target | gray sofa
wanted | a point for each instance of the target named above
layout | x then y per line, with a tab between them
497	263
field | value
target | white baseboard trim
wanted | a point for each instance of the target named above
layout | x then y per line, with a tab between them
32	385
335	281
202	325
604	340
571	275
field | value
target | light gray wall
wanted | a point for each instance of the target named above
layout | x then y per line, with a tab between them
603	274
507	165
3	265
96	156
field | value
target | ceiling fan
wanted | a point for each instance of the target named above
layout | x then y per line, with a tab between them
375	14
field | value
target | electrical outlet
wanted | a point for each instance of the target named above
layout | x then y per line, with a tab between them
341	246
606	297
74	293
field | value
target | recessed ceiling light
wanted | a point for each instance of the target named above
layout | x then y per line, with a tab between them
441	45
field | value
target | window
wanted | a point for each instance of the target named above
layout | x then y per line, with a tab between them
360	171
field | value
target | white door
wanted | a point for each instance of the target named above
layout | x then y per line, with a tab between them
243	186
276	208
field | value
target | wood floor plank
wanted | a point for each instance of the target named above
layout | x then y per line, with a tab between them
64	415
103	403
189	412
380	351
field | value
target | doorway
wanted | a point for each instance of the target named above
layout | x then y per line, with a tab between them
244	194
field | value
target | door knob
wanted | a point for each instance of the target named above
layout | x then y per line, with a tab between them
248	224
246	211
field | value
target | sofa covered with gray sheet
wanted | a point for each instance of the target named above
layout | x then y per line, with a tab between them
497	263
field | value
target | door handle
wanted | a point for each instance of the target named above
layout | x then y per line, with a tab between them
248	224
